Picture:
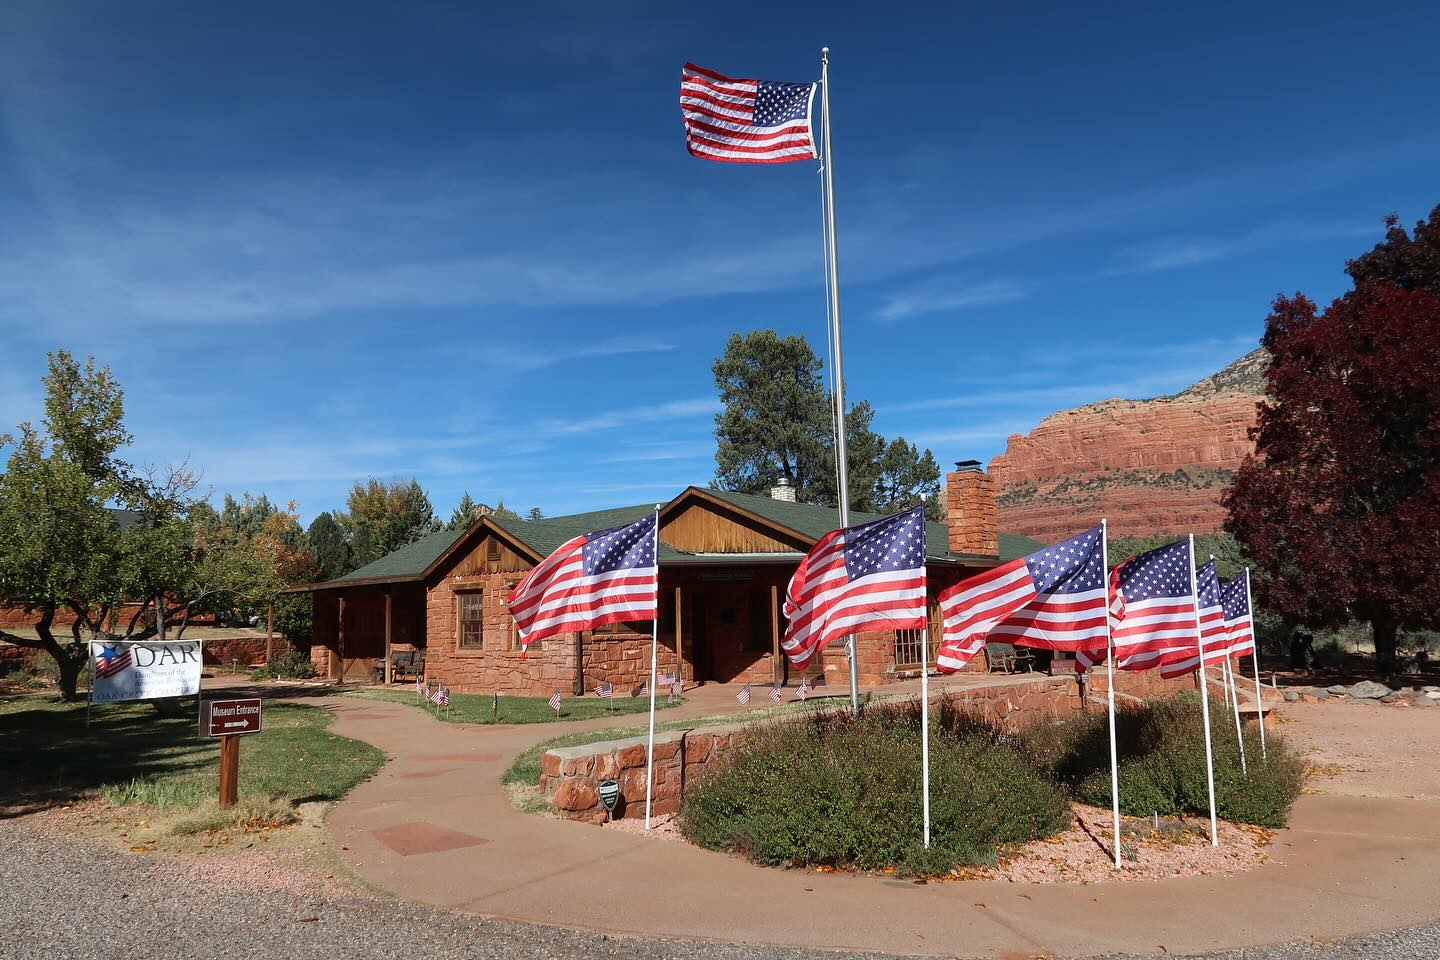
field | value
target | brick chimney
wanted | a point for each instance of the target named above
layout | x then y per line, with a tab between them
783	490
970	510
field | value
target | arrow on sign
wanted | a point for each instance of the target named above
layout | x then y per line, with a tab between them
238	723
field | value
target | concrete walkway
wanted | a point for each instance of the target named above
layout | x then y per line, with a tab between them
436	827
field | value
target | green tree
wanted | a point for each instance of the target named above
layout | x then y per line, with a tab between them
466	512
328	540
535	514
63	547
777	422
382	517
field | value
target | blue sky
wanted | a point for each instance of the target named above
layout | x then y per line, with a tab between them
323	241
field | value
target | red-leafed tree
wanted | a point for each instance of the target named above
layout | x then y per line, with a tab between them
1340	504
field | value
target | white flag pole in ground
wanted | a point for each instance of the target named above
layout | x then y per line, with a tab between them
832	299
1110	661
1204	700
654	666
1255	656
925	725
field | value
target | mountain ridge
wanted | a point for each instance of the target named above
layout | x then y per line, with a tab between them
1152	466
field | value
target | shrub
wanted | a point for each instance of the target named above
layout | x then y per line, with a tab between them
289	665
828	789
1162	763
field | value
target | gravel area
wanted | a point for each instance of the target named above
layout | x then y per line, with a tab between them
62	899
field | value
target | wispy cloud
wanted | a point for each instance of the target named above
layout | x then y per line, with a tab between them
918	302
1171	253
631	416
526	358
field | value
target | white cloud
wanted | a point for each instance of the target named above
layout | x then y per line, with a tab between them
932	300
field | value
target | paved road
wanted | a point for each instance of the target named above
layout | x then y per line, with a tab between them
62	899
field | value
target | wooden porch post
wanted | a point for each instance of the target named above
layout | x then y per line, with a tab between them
340	643
679	642
388	619
269	631
580	663
776	666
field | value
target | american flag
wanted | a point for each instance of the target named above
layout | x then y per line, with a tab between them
819	680
1239	625
867	577
554	701
746	121
605	690
804	692
419	687
1214	638
111	660
1053	598
776	695
442	697
677	689
744	695
603	577
1152	608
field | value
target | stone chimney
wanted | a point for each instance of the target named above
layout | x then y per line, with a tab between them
970	510
783	490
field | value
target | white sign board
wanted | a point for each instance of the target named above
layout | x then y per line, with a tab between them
144	670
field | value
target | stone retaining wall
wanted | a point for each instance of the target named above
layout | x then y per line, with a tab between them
570	776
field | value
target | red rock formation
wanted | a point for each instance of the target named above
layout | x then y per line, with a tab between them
1150	466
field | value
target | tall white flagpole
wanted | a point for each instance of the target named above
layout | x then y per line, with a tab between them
1234	692
1204	700
654	665
1255	656
833	280
1110	657
925	724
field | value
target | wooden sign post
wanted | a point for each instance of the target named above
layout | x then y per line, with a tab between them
229	720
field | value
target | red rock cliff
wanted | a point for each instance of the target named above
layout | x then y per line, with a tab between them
1150	466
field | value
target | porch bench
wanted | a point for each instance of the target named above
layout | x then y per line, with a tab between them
404	665
1008	658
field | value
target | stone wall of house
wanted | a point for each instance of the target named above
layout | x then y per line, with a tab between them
249	651
570	776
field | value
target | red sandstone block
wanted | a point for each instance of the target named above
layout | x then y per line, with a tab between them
575	795
697	748
550	765
576	766
666	751
632	756
605	767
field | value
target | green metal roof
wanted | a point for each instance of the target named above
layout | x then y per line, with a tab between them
815	521
544	536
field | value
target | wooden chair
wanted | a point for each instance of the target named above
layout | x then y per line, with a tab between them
1008	658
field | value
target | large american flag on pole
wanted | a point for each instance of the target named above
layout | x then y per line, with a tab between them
1053	599
746	121
1239	624
1152	608
1214	637
603	577
867	577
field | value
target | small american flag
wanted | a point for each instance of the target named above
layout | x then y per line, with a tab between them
677	689
867	577
804	692
819	680
1053	599
746	121
605	691
111	660
775	694
744	695
554	701
1239	625
419	687
442	697
608	576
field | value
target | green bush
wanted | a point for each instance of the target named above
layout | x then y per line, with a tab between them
289	665
1162	763
831	790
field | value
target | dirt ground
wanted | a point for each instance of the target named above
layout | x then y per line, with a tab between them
1365	748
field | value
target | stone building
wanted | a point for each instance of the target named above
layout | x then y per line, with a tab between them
725	560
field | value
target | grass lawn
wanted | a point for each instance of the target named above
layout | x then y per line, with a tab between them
476	708
130	754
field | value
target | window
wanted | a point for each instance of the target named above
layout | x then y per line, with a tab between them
472	620
908	642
